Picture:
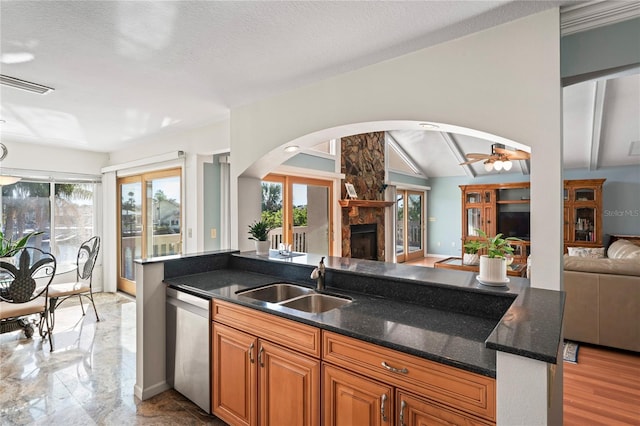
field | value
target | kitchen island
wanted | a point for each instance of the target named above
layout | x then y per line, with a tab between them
438	315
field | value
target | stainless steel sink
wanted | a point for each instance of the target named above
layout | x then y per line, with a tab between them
316	303
276	293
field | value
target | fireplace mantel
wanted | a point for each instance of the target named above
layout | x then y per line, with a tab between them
365	203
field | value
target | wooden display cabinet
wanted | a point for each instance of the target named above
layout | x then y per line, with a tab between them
583	213
478	210
484	205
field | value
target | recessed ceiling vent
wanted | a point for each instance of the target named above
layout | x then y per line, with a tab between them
16	83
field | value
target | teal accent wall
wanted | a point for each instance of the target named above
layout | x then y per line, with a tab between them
307	161
410	180
620	204
602	48
444	210
211	204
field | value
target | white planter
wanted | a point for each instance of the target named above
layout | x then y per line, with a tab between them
493	271
262	247
470	259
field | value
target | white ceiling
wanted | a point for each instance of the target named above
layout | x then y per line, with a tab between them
124	71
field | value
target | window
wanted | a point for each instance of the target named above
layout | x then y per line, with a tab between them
63	212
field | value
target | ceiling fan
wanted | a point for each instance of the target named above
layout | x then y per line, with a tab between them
499	159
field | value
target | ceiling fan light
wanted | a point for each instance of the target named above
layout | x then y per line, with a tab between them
488	166
498	165
507	165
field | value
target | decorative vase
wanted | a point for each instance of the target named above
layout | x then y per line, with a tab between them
493	271
470	259
262	247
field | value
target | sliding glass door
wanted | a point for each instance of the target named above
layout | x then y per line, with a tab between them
150	222
409	225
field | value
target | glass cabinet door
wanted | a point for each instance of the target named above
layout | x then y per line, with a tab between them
585	194
474	221
473	197
584	226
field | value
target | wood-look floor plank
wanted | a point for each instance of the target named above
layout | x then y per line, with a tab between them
603	388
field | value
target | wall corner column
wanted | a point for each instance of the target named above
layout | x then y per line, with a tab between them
151	376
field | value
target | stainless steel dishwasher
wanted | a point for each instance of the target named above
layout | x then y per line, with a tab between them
188	346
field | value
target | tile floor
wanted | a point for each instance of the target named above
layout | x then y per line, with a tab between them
89	378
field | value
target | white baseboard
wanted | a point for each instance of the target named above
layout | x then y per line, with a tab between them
150	391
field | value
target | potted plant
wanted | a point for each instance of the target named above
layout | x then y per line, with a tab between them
7	244
259	231
470	255
493	264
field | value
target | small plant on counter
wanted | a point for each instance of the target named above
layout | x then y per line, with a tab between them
496	246
259	230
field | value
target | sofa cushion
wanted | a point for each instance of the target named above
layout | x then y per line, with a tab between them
591	252
623	249
602	266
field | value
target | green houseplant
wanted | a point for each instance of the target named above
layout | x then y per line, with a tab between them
496	246
493	264
470	256
259	231
7	244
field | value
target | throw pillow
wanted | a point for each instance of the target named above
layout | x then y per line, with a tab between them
591	252
623	249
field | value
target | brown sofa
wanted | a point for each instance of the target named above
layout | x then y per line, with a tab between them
603	297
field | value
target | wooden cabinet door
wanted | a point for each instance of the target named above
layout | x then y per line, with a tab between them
289	387
352	400
234	393
414	411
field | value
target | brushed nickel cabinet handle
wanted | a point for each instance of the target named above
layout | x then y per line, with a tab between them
403	404
251	353
394	370
260	356
382	409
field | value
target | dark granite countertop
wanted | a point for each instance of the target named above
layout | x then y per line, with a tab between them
442	315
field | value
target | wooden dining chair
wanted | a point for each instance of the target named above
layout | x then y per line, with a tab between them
83	285
25	276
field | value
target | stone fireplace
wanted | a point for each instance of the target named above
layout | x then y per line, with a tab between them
363	167
364	241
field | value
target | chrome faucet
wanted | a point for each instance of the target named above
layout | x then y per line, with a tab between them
318	275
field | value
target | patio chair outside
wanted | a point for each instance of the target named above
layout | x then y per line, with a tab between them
25	276
83	285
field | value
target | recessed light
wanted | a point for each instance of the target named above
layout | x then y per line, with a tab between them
428	126
16	57
292	148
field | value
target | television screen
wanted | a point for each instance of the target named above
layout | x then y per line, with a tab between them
514	224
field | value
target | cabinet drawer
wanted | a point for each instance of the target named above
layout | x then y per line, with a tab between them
456	388
300	337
